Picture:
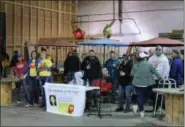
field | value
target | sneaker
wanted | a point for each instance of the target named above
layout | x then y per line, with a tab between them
127	110
135	109
35	105
19	102
119	110
28	105
142	114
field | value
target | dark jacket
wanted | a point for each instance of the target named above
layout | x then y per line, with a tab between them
72	64
112	65
14	60
94	71
126	68
176	70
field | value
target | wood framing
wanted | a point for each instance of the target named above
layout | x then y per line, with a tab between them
29	20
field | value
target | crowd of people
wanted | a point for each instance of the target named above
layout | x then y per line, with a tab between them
130	75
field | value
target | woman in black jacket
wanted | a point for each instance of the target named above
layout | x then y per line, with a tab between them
125	84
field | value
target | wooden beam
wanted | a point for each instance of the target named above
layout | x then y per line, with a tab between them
22	27
45	18
41	8
14	25
30	21
59	18
37	22
52	19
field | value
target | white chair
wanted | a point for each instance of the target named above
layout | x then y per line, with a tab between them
166	83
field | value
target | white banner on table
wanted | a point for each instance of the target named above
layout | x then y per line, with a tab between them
65	99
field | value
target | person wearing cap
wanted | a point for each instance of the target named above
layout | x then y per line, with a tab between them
142	73
176	70
44	70
19	70
72	65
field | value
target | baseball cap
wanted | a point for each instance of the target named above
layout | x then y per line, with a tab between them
20	55
143	55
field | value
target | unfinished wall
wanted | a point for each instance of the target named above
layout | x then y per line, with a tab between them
152	17
27	21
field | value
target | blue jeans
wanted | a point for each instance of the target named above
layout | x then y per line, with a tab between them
34	92
42	81
70	76
20	84
125	94
142	96
114	89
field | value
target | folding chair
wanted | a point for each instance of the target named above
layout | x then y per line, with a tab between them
166	83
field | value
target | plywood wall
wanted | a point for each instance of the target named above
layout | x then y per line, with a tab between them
27	21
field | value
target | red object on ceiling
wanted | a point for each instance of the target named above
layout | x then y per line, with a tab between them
1	38
78	34
158	41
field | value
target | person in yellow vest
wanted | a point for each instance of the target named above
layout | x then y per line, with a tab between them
44	69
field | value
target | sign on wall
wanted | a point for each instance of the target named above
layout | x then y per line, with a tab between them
65	99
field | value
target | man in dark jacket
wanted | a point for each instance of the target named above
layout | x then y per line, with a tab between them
176	70
14	59
125	82
91	67
71	66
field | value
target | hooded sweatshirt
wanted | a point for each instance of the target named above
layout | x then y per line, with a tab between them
77	79
161	64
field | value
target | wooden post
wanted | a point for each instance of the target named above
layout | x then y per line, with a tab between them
45	19
30	21
22	28
14	25
59	18
37	23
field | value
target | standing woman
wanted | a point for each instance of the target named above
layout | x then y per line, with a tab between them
19	70
142	73
44	69
32	74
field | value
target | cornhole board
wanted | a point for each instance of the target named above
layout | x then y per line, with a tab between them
174	105
6	91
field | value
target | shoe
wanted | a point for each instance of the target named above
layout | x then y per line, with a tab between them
142	114
35	105
41	106
19	102
119	110
127	110
28	105
135	109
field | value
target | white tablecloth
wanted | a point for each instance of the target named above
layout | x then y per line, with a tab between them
90	88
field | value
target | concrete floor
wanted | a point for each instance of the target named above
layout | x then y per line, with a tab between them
21	116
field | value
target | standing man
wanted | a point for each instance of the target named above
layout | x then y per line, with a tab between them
161	63
91	67
72	65
176	71
125	84
112	66
44	69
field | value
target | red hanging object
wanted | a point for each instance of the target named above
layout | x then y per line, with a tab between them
78	34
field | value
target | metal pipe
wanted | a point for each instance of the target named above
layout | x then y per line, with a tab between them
120	10
151	10
113	20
